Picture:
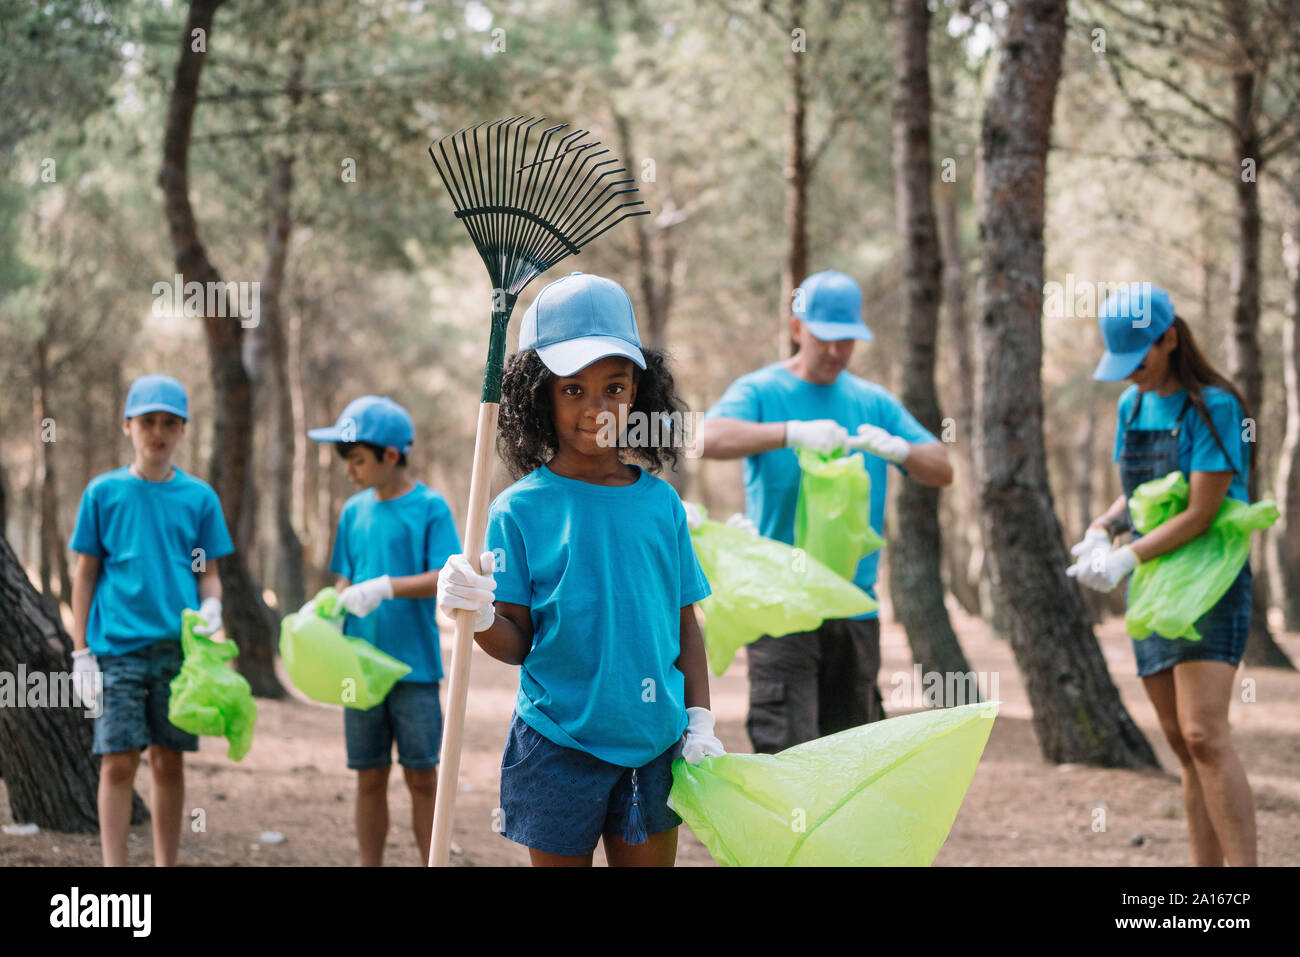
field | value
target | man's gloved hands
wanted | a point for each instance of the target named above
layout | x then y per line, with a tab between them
86	679
741	521
460	588
1102	571
821	435
874	439
364	597
210	612
700	742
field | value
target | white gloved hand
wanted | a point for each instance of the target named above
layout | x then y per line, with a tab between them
210	612
86	678
309	608
741	521
1106	570
821	435
364	597
1094	540
886	445
460	588
693	516
700	742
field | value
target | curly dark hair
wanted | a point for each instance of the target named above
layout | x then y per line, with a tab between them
526	439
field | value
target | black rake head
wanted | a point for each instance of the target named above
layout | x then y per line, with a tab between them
526	211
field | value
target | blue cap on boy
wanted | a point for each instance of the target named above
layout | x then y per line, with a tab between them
156	393
371	418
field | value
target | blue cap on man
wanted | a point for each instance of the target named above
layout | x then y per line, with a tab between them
578	319
371	418
830	305
1131	319
156	393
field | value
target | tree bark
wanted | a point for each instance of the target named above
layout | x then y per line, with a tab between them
53	557
1078	713
45	760
1288	472
248	622
915	560
794	264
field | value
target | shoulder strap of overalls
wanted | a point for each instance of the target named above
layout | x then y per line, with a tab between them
1137	405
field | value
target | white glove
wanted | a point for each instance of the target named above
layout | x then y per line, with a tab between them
821	435
874	439
364	597
460	588
700	742
739	520
86	679
1106	570
210	612
693	516
308	609
1094	540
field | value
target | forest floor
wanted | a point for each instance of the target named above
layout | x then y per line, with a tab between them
1020	809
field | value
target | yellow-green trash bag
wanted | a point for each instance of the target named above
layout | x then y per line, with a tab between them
1167	594
764	587
831	520
328	666
883	794
207	697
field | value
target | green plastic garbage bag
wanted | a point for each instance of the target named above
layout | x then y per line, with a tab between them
882	794
1169	593
764	587
206	696
831	521
328	666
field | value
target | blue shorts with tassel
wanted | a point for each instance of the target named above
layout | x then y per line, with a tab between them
561	800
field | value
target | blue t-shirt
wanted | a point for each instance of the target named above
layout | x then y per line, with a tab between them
1197	451
145	535
408	535
774	394
605	571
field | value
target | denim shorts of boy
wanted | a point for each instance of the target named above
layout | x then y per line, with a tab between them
1223	630
136	692
411	715
560	800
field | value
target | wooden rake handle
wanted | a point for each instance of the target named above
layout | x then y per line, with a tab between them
458	684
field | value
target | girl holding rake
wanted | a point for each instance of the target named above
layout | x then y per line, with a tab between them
593	590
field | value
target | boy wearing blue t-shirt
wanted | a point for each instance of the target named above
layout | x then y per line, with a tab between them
393	538
149	537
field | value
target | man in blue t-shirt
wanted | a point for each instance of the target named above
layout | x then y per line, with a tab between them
815	683
393	538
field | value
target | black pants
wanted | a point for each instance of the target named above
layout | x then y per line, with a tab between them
813	683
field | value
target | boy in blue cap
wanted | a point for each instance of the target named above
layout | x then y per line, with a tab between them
149	537
393	538
808	685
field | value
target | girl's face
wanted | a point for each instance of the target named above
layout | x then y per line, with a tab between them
592	404
1154	368
154	436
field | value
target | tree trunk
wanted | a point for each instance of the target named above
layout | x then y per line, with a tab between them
248	622
53	556
1078	714
1288	472
915	580
794	265
45	760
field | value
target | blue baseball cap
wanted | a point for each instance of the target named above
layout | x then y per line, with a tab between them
830	305
156	393
578	319
1131	320
374	419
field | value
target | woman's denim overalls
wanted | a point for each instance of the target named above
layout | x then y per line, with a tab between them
1151	454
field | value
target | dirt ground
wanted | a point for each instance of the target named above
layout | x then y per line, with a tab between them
1019	810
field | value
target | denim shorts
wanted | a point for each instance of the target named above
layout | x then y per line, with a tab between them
560	800
411	715
1223	630
137	690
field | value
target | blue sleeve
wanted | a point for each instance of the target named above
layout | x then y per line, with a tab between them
441	540
214	538
740	401
86	535
506	543
1225	413
340	561
693	586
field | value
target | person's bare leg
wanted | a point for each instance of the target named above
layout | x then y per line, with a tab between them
116	783
423	785
372	815
659	850
1206	851
1204	689
167	769
546	859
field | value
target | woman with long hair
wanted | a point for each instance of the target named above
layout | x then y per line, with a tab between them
1180	414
